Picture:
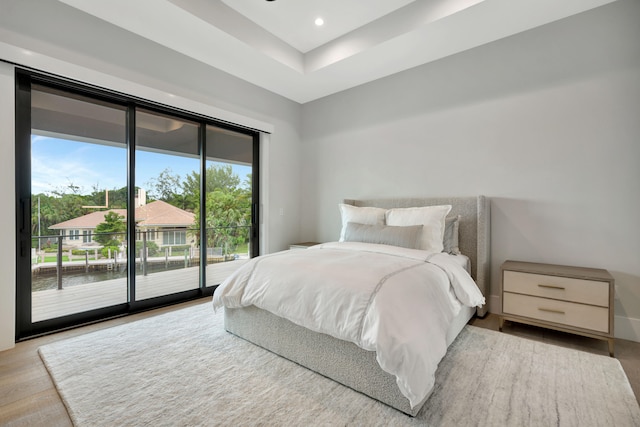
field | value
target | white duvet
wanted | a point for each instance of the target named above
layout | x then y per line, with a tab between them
395	301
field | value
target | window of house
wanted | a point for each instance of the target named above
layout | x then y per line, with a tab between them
174	237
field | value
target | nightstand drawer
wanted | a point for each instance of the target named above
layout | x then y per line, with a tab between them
562	312
563	288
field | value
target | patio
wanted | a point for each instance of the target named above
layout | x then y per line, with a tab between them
54	303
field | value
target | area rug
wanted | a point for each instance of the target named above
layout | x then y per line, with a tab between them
183	369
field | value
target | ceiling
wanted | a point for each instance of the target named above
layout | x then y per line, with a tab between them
277	46
293	21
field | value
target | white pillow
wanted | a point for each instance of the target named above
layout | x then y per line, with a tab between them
431	217
365	215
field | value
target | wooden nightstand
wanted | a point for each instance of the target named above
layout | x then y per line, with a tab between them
570	299
303	245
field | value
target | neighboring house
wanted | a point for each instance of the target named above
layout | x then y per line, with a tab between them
164	224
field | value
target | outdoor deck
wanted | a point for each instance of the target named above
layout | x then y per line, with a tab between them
53	303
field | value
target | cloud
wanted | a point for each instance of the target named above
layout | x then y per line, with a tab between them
56	164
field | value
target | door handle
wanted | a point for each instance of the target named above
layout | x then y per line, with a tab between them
25	217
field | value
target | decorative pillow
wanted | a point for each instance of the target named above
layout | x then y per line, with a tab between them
364	215
450	240
431	217
383	234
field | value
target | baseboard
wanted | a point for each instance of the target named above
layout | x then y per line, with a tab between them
626	328
494	304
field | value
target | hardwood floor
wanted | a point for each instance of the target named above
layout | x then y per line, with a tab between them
29	398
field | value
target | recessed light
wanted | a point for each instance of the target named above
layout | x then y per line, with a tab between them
319	22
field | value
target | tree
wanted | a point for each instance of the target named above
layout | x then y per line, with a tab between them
111	231
228	218
61	205
118	198
219	177
165	187
248	182
191	191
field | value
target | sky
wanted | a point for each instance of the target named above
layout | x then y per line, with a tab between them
58	163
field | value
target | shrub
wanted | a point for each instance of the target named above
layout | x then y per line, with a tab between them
152	248
105	251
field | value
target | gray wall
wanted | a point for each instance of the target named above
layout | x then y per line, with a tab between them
546	123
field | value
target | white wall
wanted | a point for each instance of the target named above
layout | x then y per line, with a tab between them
56	38
545	123
7	215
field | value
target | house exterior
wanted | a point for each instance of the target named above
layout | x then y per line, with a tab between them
162	223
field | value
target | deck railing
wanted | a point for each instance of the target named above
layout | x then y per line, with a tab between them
80	254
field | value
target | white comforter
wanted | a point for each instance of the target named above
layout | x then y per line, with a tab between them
397	302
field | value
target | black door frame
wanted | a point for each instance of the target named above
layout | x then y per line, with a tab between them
24	78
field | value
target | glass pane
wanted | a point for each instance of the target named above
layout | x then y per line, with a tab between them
228	199
167	183
79	188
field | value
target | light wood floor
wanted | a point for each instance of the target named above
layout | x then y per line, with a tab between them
29	398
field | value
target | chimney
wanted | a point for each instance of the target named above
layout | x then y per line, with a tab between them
141	198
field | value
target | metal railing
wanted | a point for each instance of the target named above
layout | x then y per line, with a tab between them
223	244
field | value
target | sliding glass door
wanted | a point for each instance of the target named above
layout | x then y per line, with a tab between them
229	201
167	255
123	205
78	179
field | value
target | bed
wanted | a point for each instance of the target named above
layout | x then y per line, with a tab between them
343	360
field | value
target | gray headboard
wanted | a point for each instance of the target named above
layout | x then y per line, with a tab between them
474	233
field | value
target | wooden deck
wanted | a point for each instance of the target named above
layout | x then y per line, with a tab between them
54	303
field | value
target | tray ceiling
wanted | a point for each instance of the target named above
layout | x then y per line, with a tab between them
277	46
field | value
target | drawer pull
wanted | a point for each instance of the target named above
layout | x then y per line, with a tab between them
551	310
552	287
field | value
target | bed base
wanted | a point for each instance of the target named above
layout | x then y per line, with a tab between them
339	360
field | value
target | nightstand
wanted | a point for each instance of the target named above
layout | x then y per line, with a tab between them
571	299
303	245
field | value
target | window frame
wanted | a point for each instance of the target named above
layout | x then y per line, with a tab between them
24	79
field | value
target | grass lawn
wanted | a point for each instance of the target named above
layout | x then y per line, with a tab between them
54	258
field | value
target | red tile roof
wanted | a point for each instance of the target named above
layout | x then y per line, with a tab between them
158	213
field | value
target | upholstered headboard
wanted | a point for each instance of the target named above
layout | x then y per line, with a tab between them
474	231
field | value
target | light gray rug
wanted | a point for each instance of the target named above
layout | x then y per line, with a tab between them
182	369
